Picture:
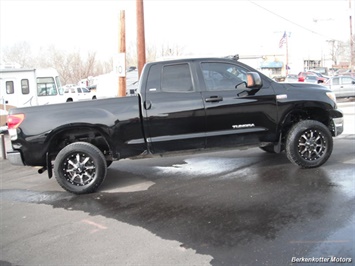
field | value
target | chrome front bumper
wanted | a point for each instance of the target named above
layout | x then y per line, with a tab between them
338	126
15	158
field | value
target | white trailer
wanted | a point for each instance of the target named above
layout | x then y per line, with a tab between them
20	87
106	85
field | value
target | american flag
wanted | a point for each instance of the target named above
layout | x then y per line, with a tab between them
283	40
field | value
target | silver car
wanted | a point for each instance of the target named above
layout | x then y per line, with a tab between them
343	86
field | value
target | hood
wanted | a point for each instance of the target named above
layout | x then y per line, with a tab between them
304	86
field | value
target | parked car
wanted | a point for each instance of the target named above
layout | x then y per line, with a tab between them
302	76
349	74
344	72
320	78
311	79
342	86
291	78
75	93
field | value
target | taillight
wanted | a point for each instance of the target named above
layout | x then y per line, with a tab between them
14	121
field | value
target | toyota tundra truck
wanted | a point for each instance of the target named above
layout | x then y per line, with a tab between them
181	106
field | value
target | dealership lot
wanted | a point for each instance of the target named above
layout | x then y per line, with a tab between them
237	207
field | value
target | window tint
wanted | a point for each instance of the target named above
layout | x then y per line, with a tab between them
25	86
176	78
347	80
9	87
46	87
153	81
335	81
223	76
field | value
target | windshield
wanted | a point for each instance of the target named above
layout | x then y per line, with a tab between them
59	85
46	86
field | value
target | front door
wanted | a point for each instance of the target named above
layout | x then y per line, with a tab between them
236	115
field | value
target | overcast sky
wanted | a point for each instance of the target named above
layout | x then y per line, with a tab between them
200	27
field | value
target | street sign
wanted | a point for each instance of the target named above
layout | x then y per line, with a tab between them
119	64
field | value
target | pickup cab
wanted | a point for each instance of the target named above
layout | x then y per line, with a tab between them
181	106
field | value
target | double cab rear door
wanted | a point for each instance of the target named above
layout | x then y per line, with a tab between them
205	104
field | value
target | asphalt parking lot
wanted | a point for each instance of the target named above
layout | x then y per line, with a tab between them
242	207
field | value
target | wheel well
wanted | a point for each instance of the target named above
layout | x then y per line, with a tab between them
82	134
312	113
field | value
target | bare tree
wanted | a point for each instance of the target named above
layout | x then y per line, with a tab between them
20	54
131	55
73	66
171	50
339	51
153	53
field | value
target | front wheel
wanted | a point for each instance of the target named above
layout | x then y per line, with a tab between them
80	168
309	144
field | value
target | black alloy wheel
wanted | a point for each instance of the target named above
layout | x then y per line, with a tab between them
80	168
309	144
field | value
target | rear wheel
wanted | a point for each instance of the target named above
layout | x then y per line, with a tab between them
80	168
309	144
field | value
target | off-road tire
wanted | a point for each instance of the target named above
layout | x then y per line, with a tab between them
80	168
309	144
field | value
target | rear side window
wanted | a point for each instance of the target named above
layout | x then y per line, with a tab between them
153	81
25	86
10	87
176	78
335	81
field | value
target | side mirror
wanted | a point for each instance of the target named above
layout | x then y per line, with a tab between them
254	81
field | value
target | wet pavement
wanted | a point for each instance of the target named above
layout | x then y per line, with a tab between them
243	207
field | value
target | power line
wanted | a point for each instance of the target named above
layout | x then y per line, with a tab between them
290	21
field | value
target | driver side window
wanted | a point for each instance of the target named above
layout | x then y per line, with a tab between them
222	76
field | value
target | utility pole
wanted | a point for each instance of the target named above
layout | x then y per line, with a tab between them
287	66
140	36
352	64
122	57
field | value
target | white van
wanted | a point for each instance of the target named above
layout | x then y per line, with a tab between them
20	87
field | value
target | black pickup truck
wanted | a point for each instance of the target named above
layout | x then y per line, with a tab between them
182	105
